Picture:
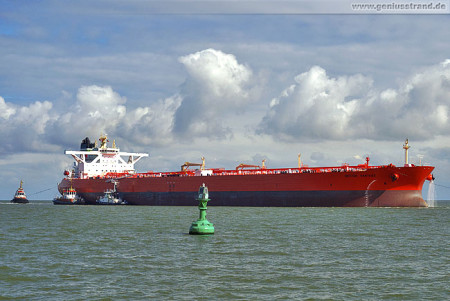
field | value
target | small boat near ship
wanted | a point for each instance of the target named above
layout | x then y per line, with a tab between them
20	197
68	197
110	197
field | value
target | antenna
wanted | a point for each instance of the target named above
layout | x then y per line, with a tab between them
420	159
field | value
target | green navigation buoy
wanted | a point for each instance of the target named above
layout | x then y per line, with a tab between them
202	226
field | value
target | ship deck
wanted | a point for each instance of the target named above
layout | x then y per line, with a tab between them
231	172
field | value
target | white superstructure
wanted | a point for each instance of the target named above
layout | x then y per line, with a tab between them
102	161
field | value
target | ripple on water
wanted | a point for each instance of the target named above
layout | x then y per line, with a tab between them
141	253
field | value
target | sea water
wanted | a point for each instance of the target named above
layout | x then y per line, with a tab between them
50	252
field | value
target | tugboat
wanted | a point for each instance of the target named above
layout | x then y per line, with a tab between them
69	197
110	197
20	197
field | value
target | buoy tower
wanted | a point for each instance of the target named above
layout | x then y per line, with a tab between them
202	226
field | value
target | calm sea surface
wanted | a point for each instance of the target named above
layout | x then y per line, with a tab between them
50	252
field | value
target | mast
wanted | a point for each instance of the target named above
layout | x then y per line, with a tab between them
406	147
203	164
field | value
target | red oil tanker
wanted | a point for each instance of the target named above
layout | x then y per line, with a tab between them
100	168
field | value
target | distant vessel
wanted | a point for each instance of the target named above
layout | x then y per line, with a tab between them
362	185
20	197
69	197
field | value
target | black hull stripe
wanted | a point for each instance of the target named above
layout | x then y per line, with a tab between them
390	198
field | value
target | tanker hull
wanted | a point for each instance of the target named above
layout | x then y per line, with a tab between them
383	186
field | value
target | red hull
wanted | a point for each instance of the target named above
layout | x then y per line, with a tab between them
384	186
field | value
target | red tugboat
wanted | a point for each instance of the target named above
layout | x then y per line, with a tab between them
247	185
20	197
68	197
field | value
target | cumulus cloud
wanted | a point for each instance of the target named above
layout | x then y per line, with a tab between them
99	109
6	109
317	106
314	106
152	124
216	85
419	107
95	110
22	127
100	102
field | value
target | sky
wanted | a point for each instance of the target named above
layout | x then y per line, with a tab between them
235	82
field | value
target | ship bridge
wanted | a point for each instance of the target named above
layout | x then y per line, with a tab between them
103	160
